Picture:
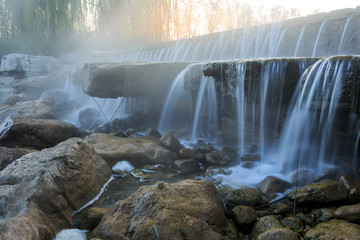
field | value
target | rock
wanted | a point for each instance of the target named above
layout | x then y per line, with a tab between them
323	214
263	224
349	213
34	109
14	98
92	217
306	220
278	234
138	151
189	153
17	62
171	143
281	209
334	230
187	165
184	210
129	132
33	86
8	155
41	190
229	154
248	164
37	133
153	133
57	100
244	196
89	118
320	193
204	148
231	232
353	186
215	157
303	177
273	184
243	215
293	223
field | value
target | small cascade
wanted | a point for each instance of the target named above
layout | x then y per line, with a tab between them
318	37
177	101
344	34
205	123
306	139
299	40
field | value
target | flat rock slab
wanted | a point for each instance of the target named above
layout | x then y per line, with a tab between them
36	133
138	151
41	190
184	210
334	230
112	80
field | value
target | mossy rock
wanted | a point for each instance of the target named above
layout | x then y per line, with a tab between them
263	224
244	196
334	230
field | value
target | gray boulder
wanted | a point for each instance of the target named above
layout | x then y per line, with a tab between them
36	133
278	234
273	184
334	230
263	224
41	190
34	109
319	193
353	186
350	213
184	210
153	133
171	142
187	165
189	153
138	151
8	155
243	215
244	196
323	214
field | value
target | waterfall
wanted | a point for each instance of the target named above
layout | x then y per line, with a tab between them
318	37
343	34
306	137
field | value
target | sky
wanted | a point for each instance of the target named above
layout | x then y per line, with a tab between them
308	6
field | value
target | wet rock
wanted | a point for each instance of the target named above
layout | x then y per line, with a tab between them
215	157
229	154
34	109
92	217
231	232
320	193
278	234
353	186
171	143
184	210
89	118
37	133
334	230
8	155
138	151
204	148
281	208
293	223
349	213
247	164
273	184
189	153
41	190
244	196
14	98
263	224
187	165
305	219
153	133
243	215
323	214
303	177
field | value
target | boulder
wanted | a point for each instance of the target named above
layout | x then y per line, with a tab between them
36	133
170	142
263	224
293	223
34	109
215	157
17	62
187	209
14	98
138	151
204	148
57	100
334	230
353	186
323	214
153	133
243	215
319	193
189	153
41	190
187	165
273	184
33	86
8	155
244	196
278	234
349	213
